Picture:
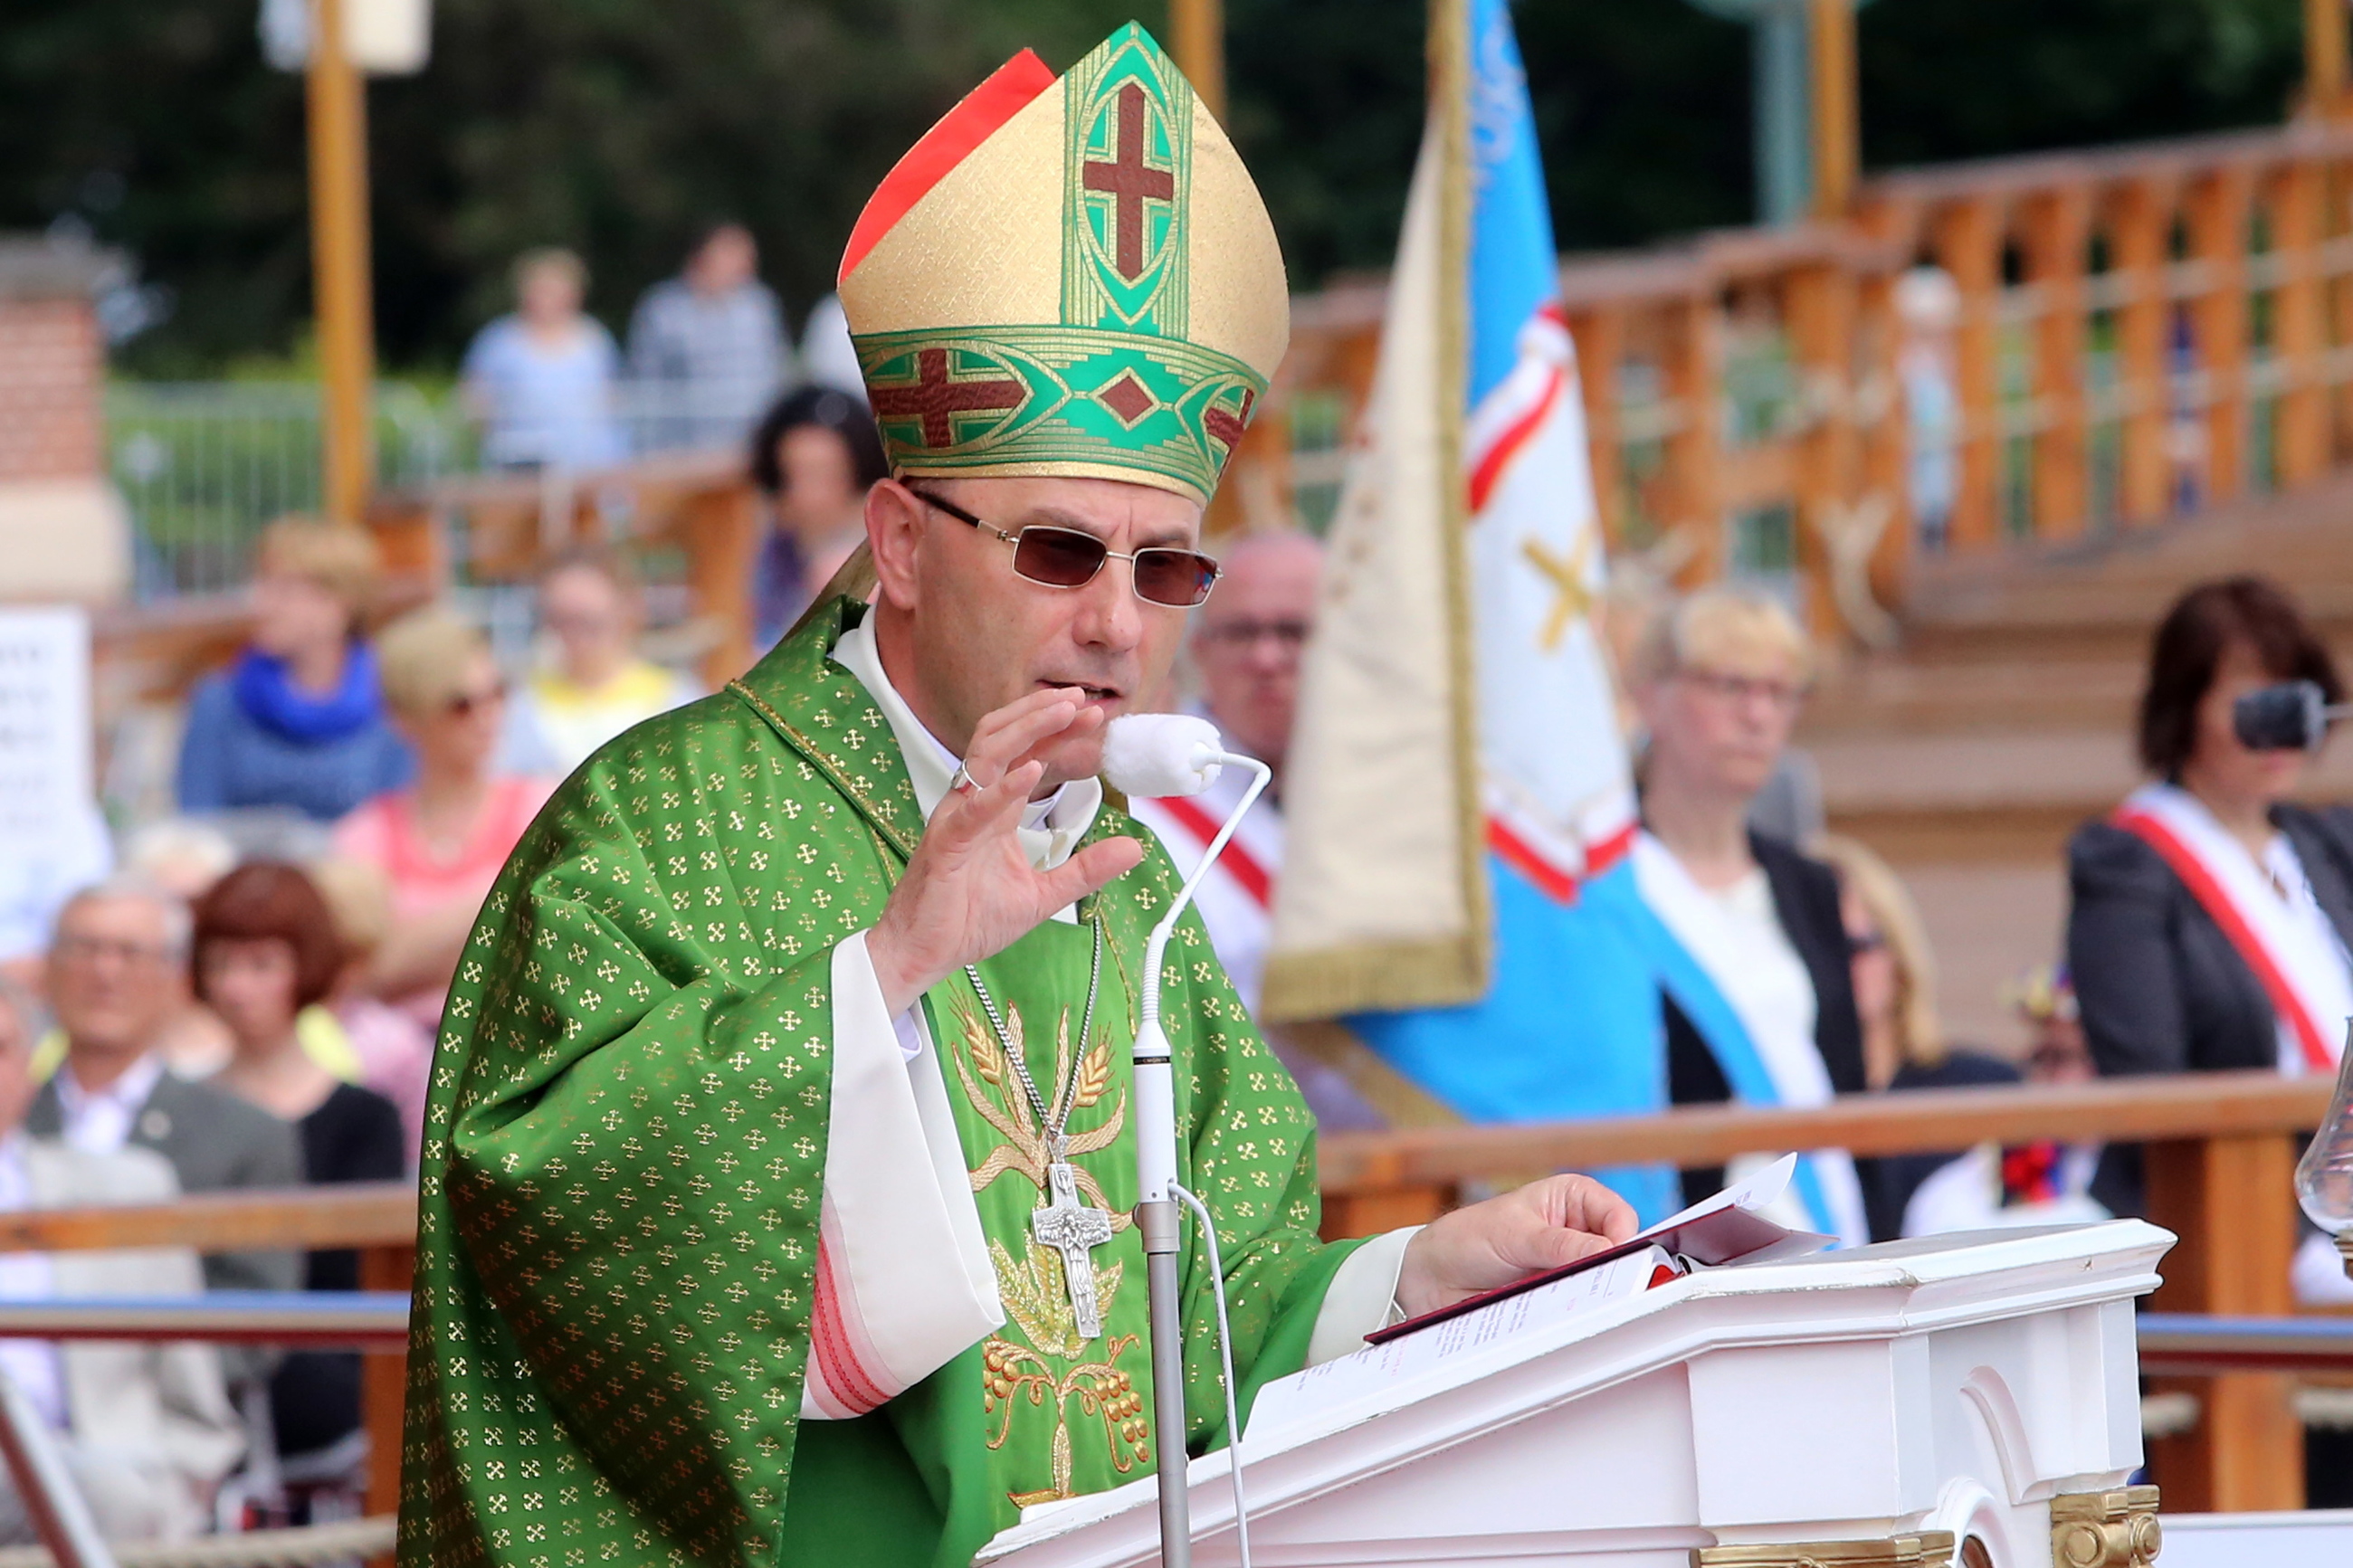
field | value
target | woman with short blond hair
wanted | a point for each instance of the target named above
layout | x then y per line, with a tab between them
441	841
1764	1010
298	722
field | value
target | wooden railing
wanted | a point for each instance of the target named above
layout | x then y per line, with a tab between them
2219	1160
2140	331
2220	1151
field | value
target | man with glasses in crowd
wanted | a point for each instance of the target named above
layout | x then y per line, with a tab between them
781	1148
114	981
1246	646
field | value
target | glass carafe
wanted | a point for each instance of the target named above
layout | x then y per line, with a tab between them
2324	1177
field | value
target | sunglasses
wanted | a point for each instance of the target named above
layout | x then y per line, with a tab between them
466	704
1066	558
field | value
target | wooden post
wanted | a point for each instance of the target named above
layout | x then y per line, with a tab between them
2300	323
383	1390
1198	30
2057	232
339	266
1817	304
1837	123
2139	226
1882	418
1967	237
1600	340
2228	1199
1695	380
720	531
2216	215
2325	57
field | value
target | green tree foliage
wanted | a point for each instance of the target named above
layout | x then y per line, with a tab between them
621	126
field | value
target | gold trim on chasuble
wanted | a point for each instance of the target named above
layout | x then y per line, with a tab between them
1047	1372
1032	1290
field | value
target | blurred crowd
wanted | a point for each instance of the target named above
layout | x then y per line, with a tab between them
246	994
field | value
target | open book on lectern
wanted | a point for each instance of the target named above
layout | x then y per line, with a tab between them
1723	1231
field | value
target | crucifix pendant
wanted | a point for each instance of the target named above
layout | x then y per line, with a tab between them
1074	1229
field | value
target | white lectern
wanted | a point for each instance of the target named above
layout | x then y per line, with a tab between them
1970	1400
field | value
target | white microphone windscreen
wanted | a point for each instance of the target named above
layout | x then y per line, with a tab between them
1148	755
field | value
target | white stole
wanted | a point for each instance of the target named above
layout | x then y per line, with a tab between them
1790	1060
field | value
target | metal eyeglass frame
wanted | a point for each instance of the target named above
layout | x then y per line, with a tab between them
953	510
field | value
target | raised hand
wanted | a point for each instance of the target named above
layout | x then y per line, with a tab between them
1542	1226
969	891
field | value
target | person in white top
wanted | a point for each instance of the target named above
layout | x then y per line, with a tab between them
1719	678
1245	645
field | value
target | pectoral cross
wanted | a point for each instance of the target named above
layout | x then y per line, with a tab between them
1074	1229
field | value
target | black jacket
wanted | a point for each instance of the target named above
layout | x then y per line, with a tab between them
2161	988
1806	901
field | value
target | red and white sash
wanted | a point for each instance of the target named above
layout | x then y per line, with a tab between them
2301	968
1237	862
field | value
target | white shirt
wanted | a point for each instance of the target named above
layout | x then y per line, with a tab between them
1777	987
99	1122
33	1365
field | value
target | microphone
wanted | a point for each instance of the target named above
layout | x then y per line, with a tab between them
1162	754
2293	716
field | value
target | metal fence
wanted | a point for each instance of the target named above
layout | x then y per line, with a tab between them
204	466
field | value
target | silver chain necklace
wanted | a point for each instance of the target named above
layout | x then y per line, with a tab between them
1051	1124
1065	1224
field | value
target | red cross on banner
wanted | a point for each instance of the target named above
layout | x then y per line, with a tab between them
933	397
1130	183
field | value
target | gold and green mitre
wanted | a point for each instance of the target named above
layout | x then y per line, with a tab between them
1069	277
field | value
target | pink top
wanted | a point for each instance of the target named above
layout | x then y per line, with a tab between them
383	833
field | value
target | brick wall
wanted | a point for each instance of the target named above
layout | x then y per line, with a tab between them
52	368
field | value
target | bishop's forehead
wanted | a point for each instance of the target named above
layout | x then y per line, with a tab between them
1069	276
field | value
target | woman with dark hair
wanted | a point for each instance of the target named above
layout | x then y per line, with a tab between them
264	948
815	456
2211	915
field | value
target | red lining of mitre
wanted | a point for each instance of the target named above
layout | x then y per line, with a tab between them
972	121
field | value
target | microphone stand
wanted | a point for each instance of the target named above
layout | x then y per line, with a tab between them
1156	1213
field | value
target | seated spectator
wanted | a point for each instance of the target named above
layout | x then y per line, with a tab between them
145	1430
598	685
541	380
183	855
710	343
1904	1047
441	841
392	1052
2210	914
266	949
114	977
815	456
1765	1012
297	723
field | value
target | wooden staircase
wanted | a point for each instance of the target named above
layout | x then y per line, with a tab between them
1968	754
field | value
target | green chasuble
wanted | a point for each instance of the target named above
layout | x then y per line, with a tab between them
625	1140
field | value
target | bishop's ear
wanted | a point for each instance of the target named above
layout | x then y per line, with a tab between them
895	526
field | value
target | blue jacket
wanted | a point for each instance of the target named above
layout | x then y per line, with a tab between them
228	759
